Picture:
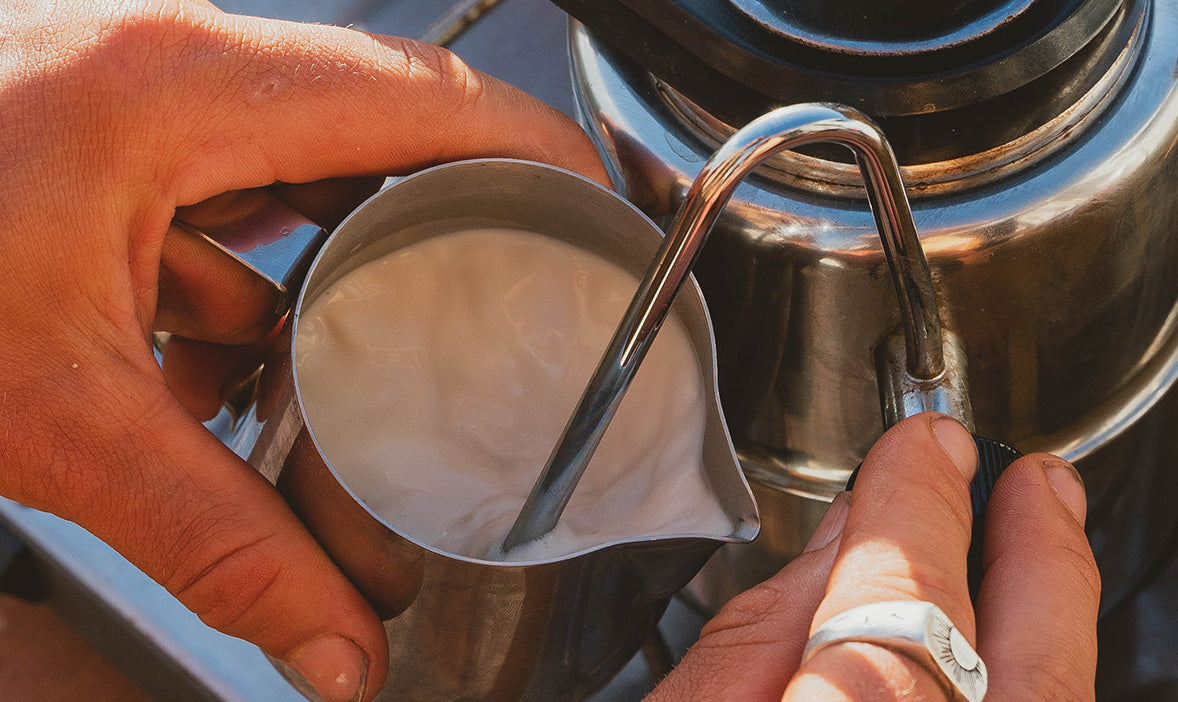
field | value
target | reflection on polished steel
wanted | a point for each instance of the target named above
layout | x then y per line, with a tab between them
902	394
249	228
881	29
1055	256
782	129
463	628
973	169
943	79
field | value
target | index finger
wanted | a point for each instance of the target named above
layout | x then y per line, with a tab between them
906	538
270	100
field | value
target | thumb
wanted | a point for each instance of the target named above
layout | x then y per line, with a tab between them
141	474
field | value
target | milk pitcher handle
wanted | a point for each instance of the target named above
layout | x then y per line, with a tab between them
253	229
258	232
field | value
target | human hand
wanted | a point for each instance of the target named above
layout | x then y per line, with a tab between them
115	114
903	534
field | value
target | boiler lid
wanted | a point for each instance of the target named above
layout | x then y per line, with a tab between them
889	58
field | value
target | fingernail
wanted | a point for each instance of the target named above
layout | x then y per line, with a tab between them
1068	486
832	522
958	444
334	666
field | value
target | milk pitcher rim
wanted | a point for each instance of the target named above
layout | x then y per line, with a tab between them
746	525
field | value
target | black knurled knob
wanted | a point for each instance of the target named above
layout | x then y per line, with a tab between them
993	458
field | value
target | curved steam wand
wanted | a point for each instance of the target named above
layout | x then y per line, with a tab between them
781	129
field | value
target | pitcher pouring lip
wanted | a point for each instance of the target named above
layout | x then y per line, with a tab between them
466	627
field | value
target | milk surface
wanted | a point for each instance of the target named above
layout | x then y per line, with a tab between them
437	380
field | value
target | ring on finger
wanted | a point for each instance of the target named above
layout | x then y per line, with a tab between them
917	629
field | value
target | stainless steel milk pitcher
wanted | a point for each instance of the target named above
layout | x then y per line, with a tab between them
460	627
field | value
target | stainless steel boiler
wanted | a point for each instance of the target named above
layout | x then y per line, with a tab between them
1038	143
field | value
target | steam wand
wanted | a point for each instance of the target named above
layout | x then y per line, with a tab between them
776	131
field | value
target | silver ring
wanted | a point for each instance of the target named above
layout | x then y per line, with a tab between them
916	629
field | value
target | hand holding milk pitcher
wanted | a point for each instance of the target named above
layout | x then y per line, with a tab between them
115	119
170	103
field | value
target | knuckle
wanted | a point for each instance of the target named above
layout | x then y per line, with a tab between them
443	72
112	38
226	584
98	78
737	619
128	44
902	571
772	616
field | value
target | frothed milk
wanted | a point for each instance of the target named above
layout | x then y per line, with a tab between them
437	380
